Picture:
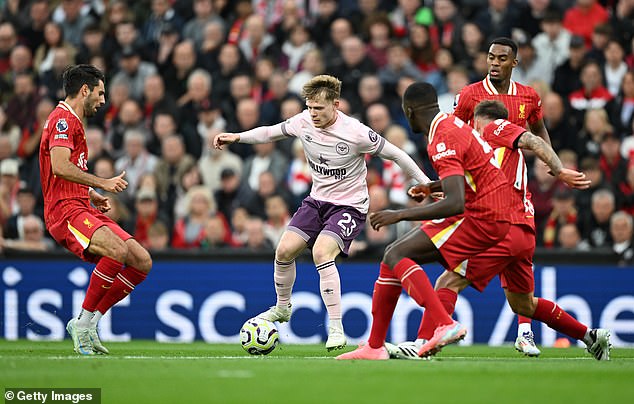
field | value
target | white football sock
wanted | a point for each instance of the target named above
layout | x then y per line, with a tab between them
284	278
84	317
330	289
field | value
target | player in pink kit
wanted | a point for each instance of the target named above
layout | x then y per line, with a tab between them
512	259
476	215
335	211
72	221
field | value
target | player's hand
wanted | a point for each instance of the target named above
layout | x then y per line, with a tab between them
225	138
101	202
115	184
574	179
419	192
383	218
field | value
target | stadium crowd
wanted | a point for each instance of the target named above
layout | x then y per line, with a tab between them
180	72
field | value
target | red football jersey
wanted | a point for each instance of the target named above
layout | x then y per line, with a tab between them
456	149
523	103
65	129
503	135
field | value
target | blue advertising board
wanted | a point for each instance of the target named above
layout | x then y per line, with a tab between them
189	300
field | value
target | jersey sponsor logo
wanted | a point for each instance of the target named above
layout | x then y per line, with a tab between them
441	147
500	128
373	136
342	148
61	136
445	153
522	114
61	125
338	173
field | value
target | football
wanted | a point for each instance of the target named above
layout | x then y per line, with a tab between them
258	336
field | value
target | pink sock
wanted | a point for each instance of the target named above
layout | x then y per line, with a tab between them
387	290
284	277
330	288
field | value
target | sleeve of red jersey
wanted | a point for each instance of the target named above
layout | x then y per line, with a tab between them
502	133
537	112
62	131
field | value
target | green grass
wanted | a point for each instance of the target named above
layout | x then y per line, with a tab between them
151	372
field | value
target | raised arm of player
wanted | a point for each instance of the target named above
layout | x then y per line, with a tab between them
409	166
63	168
451	205
572	178
262	134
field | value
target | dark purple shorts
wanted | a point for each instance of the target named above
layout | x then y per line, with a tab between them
343	223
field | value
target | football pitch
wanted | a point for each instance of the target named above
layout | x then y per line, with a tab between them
152	372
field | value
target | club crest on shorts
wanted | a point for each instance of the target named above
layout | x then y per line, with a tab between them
61	125
342	148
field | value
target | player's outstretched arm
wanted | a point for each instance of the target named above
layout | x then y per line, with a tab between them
222	139
262	134
407	164
63	168
451	205
572	178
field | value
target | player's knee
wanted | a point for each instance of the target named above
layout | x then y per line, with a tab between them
144	261
321	255
284	254
118	250
392	256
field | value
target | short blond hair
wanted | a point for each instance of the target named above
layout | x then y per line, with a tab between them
323	86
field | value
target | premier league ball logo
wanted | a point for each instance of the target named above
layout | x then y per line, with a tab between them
62	125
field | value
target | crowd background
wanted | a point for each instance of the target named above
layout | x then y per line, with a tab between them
180	72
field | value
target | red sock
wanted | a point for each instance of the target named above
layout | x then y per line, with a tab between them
417	285
427	325
387	290
100	282
523	320
556	318
122	286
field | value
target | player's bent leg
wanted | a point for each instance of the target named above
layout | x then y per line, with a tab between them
289	247
138	257
524	304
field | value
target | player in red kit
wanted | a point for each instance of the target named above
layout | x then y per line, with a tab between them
512	259
72	221
475	212
524	109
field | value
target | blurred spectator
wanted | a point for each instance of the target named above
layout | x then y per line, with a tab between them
8	40
257	42
398	65
189	179
158	237
311	66
53	40
216	162
370	92
276	94
404	16
118	212
615	67
624	106
372	241
22	106
421	49
108	115
146	213
564	212
378	32
135	161
444	61
625	190
568	159
445	29
168	39
566	78
325	17
33	31
622	230
9	186
471	43
600	37
581	18
542	189
127	36
231	64
592	93
552	44
74	18
622	21
339	30
189	231
51	83
171	167
590	167
31	239
355	64
266	159
528	68
155	99
204	14
294	49
93	43
212	41
227	193
457	79
217	234
253	200
95	139
612	164
596	126
570	239
394	178
299	179
239	220
277	218
25	201
531	15
498	19
162	15
210	123
247	117
594	225
256	238
129	117
561	132
9	130
176	73
378	117
133	72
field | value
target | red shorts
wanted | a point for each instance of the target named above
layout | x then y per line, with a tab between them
459	238
511	259
73	225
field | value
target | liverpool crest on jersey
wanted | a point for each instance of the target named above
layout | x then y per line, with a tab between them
522	114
